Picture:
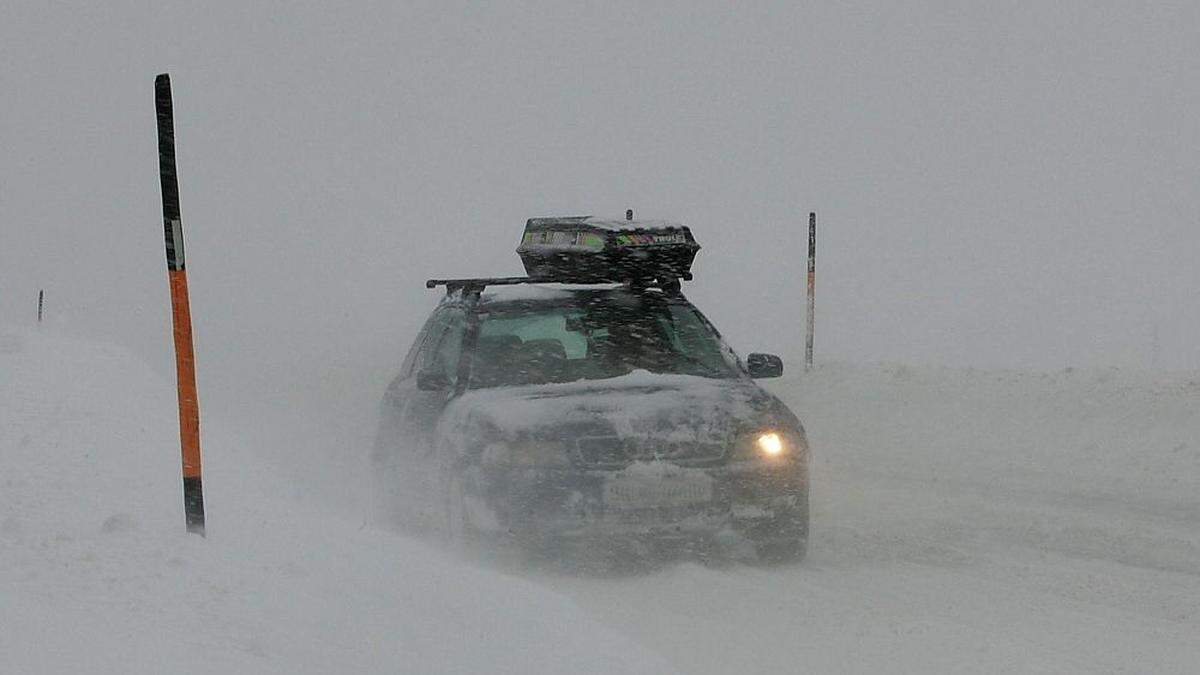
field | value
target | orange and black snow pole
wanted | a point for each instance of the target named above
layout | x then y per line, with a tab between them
181	319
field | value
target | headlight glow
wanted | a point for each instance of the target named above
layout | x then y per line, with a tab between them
770	444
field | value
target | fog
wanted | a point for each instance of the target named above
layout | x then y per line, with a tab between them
1010	186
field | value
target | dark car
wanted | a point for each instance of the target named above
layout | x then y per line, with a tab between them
551	416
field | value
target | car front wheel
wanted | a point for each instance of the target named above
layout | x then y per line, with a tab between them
782	551
456	527
787	541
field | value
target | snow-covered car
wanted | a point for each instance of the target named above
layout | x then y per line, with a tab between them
554	415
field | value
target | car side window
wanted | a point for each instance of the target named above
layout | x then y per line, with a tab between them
443	348
408	366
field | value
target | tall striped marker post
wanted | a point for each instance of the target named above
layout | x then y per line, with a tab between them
812	290
181	319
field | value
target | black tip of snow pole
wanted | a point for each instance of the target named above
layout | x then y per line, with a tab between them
193	505
162	87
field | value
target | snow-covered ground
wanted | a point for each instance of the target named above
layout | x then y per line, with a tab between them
964	521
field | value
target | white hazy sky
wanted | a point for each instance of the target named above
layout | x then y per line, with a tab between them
1009	184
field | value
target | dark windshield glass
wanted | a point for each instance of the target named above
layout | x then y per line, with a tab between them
600	337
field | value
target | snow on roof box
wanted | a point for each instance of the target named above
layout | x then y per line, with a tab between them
584	249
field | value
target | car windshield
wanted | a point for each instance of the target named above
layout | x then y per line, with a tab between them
594	338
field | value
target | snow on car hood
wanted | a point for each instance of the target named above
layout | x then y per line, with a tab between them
638	405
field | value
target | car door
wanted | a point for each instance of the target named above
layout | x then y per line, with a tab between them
421	408
392	424
391	460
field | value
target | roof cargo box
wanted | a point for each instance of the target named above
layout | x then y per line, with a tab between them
583	249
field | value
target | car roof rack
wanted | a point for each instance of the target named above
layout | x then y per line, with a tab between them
480	282
474	285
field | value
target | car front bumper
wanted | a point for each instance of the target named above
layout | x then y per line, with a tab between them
537	506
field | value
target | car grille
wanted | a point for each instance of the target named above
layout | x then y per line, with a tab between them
613	452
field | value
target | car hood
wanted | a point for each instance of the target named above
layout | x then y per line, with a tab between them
674	408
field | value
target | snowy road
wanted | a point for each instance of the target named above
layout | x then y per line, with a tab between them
964	521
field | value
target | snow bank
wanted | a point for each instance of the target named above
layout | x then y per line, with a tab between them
96	574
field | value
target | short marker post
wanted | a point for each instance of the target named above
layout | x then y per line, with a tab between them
41	299
185	365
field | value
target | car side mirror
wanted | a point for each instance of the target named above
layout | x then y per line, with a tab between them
432	380
764	365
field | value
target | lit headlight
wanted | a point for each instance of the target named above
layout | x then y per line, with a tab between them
769	444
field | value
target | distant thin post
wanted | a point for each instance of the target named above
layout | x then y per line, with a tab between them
41	299
812	289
